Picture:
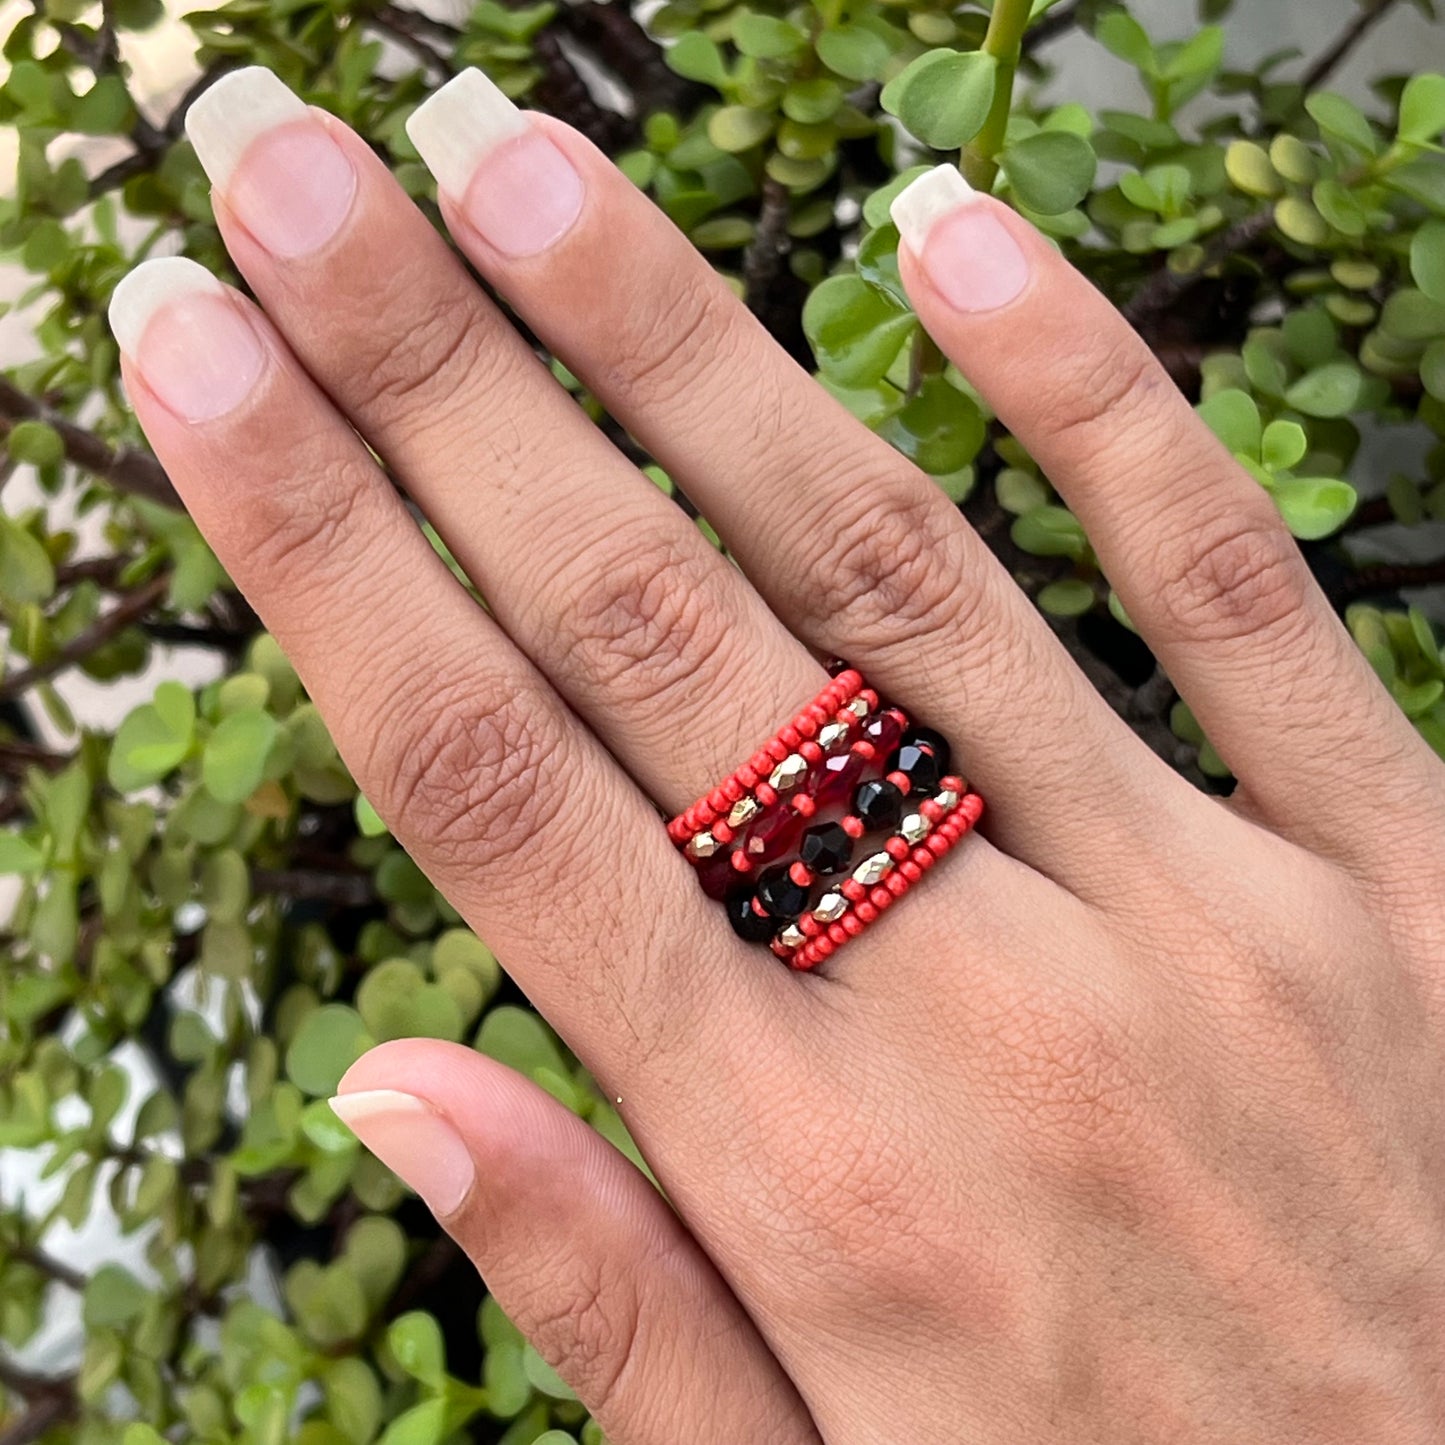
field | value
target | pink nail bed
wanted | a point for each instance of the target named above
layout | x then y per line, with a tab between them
200	356
293	188
973	260
524	195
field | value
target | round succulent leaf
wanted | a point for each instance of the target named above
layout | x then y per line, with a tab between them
153	739
855	330
857	52
1314	507
1427	260
1051	172
1422	108
233	763
1068	597
1250	169
944	96
1332	390
1341	120
329	1040
736	128
940	429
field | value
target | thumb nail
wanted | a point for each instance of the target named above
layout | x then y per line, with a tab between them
414	1141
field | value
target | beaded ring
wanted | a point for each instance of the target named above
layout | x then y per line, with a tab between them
774	841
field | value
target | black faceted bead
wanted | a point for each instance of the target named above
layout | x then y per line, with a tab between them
780	894
826	849
879	804
918	764
747	922
936	742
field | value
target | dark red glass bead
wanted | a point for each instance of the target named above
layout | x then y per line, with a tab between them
826	849
833	780
717	875
879	803
884	730
936	743
781	894
772	835
747	921
919	765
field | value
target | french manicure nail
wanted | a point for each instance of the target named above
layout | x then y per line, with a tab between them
193	345
513	185
414	1141
273	161
970	255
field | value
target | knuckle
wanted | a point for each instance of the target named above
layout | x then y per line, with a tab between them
423	352
663	346
1234	578
592	1333
650	619
1099	396
892	567
461	776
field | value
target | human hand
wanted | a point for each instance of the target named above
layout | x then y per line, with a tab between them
1173	1164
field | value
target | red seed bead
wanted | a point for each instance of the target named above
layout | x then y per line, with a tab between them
809	926
866	912
853	826
852	890
802	875
761	762
781	949
897	848
791	736
739	861
810	751
804	806
902	782
734	788
747	775
937	844
868	696
881	898
719	801
723	832
931	809
923	857
954	784
896	884
766	794
865	749
851	924
778	751
817	713
910	870
837	934
823	947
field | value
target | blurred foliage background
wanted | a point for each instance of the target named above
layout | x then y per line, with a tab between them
206	924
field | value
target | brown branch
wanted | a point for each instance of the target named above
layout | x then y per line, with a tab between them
763	259
48	1401
1165	287
48	1265
401	25
132	606
1390	577
350	890
128	469
1060	19
618	39
1344	46
18	757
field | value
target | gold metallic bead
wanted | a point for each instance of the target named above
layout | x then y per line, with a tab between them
792	936
744	811
830	736
873	870
789	773
858	708
702	845
915	827
947	800
831	907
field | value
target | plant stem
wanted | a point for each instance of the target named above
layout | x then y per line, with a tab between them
1004	41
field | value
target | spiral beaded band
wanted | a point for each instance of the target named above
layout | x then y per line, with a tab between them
808	791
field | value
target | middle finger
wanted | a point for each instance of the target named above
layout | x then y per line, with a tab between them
597	576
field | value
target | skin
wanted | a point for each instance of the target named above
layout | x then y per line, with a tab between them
1129	1126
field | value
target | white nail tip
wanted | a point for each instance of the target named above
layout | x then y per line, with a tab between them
453	129
920	205
230	114
142	292
369	1103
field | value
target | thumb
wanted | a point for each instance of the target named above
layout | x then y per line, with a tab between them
576	1246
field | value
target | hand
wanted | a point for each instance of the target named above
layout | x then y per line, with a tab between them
1130	1125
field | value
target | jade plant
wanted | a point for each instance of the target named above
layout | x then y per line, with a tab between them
206	923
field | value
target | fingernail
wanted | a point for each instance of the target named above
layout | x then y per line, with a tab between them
274	162
414	1141
515	187
193	345
970	256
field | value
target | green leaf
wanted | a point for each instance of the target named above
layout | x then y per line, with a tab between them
940	429
26	573
1314	507
35	442
415	1340
329	1040
234	761
1427	260
1331	390
856	52
18	856
1051	172
1233	416
113	1296
765	37
1249	168
695	57
1284	445
1050	532
736	128
855	331
1432	370
1122	35
153	739
1342	121
944	96
1422	108
1070	597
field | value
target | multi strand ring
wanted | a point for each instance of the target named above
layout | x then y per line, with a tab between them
778	842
